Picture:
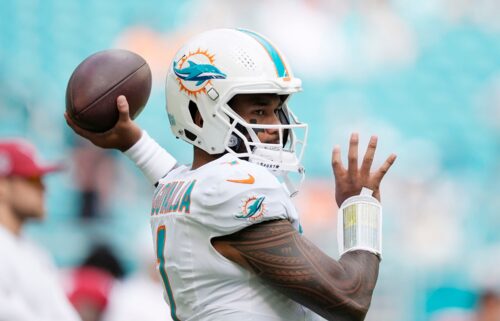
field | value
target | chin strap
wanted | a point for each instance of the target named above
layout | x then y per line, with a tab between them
279	161
290	186
360	224
282	164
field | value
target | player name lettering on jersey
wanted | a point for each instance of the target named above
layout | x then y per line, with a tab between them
173	197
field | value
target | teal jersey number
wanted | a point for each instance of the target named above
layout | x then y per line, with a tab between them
160	247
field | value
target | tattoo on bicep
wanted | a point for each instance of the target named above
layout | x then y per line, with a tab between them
276	252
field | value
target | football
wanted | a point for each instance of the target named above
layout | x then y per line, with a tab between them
97	82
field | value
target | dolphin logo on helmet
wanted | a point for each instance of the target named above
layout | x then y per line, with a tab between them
198	72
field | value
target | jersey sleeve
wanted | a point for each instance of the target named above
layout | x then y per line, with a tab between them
236	197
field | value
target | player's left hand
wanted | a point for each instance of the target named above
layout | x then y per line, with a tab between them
348	182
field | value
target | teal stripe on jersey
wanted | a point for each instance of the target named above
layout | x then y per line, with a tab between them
160	247
275	56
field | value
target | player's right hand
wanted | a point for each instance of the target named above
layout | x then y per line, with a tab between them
122	136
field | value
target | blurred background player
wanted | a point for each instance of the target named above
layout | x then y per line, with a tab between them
29	285
94	175
232	106
88	285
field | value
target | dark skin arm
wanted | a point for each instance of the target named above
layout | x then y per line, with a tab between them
288	262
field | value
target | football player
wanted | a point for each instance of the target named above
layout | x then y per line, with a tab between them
227	236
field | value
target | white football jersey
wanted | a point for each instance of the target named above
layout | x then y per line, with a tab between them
190	207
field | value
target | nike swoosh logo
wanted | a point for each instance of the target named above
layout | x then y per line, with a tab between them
249	180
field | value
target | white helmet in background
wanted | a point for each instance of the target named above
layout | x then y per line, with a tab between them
211	69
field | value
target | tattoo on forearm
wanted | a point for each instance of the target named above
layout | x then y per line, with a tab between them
276	252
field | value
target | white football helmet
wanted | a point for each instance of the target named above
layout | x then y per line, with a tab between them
211	69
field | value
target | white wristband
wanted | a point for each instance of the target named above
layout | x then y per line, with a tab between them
154	161
360	224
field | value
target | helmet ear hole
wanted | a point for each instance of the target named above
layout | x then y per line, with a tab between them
195	115
189	135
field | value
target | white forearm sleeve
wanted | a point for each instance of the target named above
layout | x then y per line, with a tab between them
154	161
360	224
